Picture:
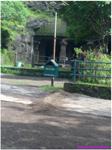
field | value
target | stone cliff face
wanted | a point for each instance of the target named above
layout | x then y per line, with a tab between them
35	5
35	26
41	23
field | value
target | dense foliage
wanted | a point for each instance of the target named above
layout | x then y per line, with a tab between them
96	56
14	15
88	20
13	11
13	18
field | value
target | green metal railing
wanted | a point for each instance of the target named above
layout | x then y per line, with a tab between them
75	68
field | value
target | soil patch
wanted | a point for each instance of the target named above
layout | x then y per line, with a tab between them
41	106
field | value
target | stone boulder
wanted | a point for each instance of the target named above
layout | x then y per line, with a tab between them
35	23
23	47
35	5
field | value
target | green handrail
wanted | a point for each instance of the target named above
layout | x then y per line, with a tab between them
92	69
91	61
75	68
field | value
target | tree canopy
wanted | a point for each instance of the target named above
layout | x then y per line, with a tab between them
88	20
13	11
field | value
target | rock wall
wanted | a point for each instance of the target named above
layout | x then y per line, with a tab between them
38	26
35	5
23	43
91	90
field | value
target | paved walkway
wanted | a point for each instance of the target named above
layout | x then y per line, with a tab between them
25	91
15	100
16	90
90	105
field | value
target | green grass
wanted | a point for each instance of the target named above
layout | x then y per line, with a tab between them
51	88
93	84
5	65
19	82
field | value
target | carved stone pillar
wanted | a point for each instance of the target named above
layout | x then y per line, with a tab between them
37	50
32	53
62	57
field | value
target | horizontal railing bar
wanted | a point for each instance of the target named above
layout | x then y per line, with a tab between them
92	69
44	61
92	62
55	57
71	74
91	76
75	60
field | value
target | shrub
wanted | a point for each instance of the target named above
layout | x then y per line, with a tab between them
8	56
4	55
96	56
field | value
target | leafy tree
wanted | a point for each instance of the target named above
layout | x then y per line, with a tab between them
13	17
13	11
88	20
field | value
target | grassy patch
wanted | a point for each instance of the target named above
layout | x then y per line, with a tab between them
7	65
51	88
94	84
22	73
19	82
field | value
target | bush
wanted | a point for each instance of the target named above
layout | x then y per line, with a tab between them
3	51
96	56
10	55
4	55
7	56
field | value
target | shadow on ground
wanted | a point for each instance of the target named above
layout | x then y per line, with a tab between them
25	128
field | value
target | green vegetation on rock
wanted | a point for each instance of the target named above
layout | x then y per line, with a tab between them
13	19
100	91
48	30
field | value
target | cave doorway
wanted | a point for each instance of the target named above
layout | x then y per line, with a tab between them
109	47
45	48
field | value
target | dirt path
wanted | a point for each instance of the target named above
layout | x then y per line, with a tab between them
46	124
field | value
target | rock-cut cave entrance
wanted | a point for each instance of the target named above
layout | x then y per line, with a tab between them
43	48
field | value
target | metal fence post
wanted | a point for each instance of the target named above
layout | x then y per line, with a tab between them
74	70
52	81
